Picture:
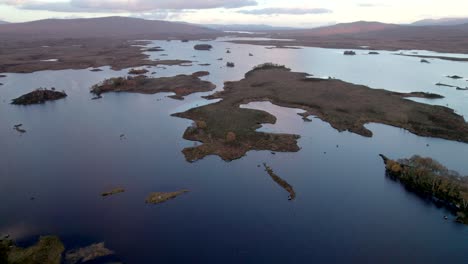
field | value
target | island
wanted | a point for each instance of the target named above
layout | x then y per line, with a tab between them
229	131
431	180
203	47
284	184
39	96
47	250
161	197
113	191
181	85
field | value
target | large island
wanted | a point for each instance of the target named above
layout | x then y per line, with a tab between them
229	131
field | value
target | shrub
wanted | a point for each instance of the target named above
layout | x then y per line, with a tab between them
230	137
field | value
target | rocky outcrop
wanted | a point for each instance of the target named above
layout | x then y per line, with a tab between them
39	96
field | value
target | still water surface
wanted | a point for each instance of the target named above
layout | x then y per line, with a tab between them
346	210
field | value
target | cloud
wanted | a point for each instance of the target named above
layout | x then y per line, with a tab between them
286	11
93	6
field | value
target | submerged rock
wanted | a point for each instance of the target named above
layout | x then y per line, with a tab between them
18	128
160	197
39	96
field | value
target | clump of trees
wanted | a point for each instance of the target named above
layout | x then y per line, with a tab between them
430	178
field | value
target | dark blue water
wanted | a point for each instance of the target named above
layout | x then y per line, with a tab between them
346	210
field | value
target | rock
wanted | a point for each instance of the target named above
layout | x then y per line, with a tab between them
230	64
250	54
373	53
424	61
160	197
2	76
185	40
96	70
456	77
97	97
39	96
228	51
349	52
203	47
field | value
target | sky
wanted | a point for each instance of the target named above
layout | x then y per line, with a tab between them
296	13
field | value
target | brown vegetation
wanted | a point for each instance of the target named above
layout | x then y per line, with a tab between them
160	197
181	85
344	105
431	179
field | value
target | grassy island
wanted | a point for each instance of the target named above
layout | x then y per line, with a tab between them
181	85
346	106
39	96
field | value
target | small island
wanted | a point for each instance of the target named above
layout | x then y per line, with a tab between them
284	184
112	192
430	179
39	96
229	131
181	85
47	250
137	71
161	197
203	47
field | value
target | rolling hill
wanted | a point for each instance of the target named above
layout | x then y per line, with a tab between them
107	27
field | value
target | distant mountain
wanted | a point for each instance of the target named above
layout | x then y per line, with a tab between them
109	27
252	27
441	22
346	28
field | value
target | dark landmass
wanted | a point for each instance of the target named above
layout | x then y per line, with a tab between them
431	180
25	56
181	85
96	70
420	95
378	36
161	197
455	77
434	57
203	47
344	105
284	184
113	191
104	27
89	253
200	73
138	71
39	96
85	43
48	250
